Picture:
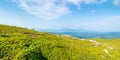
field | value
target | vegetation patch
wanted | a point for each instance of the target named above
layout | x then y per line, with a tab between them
23	44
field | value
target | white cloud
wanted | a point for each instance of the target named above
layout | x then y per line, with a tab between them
77	2
116	2
51	9
45	9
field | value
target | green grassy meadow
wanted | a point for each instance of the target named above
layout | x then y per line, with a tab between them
23	44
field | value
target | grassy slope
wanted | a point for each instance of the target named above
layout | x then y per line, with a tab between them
23	44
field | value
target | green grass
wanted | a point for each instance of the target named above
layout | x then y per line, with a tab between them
23	44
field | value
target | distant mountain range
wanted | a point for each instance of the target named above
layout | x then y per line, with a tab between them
80	33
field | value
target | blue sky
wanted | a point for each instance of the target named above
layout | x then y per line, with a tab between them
97	15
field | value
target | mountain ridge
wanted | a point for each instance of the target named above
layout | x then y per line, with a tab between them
81	33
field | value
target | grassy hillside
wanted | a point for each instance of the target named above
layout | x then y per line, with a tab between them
23	44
